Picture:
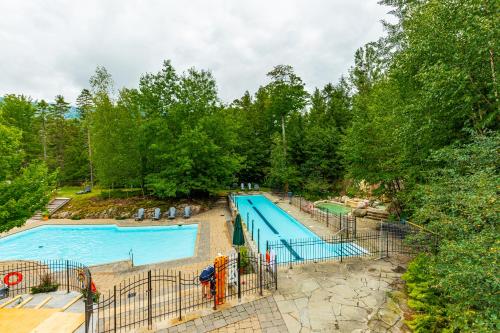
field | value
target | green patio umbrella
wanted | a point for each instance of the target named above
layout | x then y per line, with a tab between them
238	238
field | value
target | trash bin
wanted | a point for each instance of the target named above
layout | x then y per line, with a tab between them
290	194
4	291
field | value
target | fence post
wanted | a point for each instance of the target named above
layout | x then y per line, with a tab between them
239	277
248	222
150	314
276	272
341	246
327	218
260	274
114	308
300	203
387	244
290	243
258	240
89	300
67	276
179	296
253	224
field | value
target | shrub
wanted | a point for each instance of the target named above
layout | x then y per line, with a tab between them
46	285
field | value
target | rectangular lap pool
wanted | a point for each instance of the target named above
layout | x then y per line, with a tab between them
101	244
293	238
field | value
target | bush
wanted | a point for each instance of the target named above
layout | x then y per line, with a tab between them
120	193
46	285
95	296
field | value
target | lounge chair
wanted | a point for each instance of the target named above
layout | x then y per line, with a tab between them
171	213
187	212
140	215
157	214
256	187
242	186
85	190
249	186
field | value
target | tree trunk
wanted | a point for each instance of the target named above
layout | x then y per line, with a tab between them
44	140
284	149
493	75
90	158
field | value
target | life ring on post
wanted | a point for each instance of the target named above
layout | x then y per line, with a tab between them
7	282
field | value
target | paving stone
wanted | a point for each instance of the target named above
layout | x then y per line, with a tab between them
220	323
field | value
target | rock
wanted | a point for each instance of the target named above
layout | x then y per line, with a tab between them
359	212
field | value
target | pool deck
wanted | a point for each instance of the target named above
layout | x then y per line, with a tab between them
311	223
213	238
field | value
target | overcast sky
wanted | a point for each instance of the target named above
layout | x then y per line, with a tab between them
52	47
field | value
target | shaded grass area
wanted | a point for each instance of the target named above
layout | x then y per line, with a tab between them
121	203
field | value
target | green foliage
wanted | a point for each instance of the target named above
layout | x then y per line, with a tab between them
457	289
22	195
46	285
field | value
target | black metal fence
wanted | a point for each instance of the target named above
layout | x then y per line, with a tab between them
160	294
335	221
66	275
392	238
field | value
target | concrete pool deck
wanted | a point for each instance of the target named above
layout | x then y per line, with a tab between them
213	238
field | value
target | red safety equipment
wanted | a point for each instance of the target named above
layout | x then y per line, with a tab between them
19	278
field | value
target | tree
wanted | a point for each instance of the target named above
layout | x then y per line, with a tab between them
18	111
42	111
287	94
56	133
23	189
85	105
457	288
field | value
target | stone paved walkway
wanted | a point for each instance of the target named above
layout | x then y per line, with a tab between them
358	296
258	316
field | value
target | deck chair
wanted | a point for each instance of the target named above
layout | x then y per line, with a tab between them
249	186
85	190
187	212
242	186
171	213
140	215
156	214
256	187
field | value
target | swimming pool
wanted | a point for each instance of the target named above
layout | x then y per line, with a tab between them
101	244
278	226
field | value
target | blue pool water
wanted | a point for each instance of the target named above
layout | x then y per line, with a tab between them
100	244
278	226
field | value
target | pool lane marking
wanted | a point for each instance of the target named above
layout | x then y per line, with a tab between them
292	251
265	221
250	201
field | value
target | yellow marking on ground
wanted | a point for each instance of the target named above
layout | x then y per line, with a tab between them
23	303
8	302
60	322
73	301
23	320
42	303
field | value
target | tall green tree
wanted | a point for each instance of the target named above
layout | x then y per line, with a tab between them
287	95
85	104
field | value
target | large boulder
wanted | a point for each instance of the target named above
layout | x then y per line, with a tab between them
359	212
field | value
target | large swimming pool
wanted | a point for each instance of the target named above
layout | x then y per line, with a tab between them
278	226
101	244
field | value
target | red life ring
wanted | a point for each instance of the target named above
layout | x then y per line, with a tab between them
18	275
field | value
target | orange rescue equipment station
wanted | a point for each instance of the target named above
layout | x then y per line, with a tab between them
220	266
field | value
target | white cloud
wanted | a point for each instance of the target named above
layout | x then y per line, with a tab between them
52	47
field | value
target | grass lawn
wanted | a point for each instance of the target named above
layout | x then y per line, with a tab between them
334	208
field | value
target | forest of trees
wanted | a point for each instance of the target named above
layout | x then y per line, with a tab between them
417	114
